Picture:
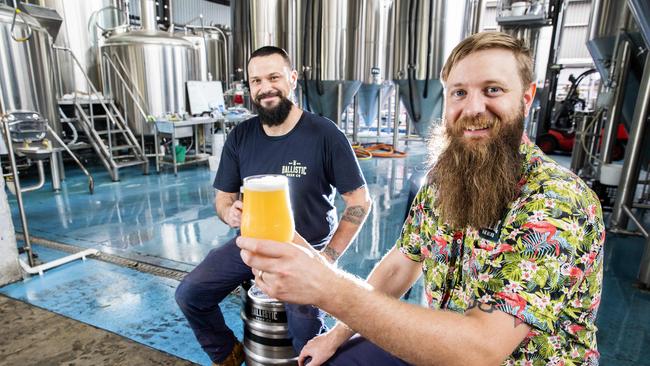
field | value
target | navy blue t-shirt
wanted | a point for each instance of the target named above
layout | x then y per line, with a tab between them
316	157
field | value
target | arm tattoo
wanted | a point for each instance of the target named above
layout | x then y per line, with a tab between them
354	214
489	309
486	308
331	253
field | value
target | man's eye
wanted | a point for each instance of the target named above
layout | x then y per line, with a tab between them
494	89
458	93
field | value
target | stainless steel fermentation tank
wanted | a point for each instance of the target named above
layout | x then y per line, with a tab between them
330	31
212	51
257	23
154	64
26	70
336	45
372	56
424	35
80	33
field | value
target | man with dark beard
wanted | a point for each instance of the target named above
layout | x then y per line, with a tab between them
318	161
509	242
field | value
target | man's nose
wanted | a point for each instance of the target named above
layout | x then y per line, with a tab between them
265	86
475	105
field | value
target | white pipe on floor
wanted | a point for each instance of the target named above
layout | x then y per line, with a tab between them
55	263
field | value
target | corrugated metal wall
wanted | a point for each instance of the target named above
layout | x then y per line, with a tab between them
185	10
573	49
489	17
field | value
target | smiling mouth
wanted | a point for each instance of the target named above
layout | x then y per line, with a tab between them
476	132
267	98
472	129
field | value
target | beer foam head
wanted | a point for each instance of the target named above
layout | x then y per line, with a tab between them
266	183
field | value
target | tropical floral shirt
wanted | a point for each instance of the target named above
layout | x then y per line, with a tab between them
542	264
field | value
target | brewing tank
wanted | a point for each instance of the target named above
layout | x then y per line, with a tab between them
158	65
212	51
26	68
372	64
331	31
425	33
257	23
371	56
79	33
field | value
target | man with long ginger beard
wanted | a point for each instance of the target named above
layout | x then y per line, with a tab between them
461	171
510	244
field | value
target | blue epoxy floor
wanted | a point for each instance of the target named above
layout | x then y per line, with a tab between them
132	304
168	220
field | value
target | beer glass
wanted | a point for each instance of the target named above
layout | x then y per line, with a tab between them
267	208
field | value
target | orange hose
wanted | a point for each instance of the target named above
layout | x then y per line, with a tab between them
384	151
367	151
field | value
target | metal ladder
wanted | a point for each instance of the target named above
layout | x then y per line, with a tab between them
108	133
110	137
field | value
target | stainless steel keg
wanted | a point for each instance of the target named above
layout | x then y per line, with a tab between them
266	333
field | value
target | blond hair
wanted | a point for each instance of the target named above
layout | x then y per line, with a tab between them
492	40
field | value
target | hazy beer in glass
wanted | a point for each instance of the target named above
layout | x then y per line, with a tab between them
267	208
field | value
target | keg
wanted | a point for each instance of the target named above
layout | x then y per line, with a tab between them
266	333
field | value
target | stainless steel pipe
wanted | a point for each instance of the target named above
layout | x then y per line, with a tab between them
148	15
41	179
355	119
630	174
396	117
19	195
615	111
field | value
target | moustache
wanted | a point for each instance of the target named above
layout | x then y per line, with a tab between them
479	122
259	97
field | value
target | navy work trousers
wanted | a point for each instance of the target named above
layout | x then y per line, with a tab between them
201	291
359	351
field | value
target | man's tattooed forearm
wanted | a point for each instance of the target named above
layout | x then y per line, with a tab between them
331	253
354	214
486	308
489	309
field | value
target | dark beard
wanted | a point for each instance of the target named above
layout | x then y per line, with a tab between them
273	116
476	180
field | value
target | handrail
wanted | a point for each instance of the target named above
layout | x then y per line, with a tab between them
90	83
95	93
125	74
106	57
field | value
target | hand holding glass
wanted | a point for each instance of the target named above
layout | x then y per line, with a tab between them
267	208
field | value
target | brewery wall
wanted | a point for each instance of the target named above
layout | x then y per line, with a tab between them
186	10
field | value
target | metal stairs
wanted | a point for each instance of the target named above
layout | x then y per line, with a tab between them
108	134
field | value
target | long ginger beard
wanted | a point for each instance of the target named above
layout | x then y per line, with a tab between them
476	178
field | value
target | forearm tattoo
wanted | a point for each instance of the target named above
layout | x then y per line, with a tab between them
331	253
354	214
489	309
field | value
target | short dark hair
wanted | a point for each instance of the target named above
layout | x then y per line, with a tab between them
268	51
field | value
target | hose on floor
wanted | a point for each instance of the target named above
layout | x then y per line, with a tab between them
368	151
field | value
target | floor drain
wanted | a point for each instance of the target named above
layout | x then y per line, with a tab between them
109	258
